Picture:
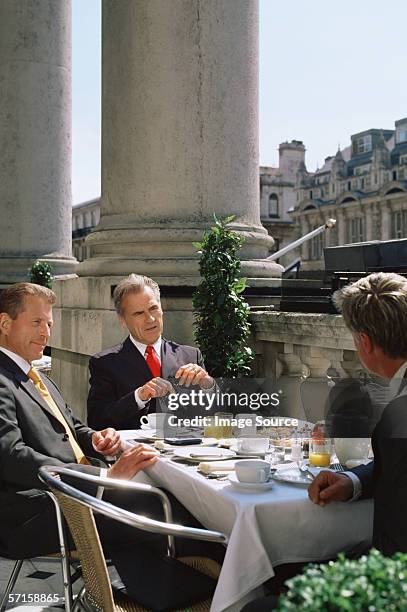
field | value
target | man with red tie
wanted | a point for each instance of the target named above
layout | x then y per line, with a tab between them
125	380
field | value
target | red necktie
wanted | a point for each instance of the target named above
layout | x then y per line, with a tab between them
152	361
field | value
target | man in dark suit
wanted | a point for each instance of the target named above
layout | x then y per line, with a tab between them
37	428
125	380
375	310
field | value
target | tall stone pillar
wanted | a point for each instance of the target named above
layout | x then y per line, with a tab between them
35	136
179	135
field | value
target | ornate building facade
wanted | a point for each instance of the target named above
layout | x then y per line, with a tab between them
363	187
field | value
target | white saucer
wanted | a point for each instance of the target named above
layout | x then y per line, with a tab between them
211	453
247	453
147	428
249	486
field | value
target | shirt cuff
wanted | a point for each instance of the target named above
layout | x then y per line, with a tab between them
210	389
140	403
357	486
100	491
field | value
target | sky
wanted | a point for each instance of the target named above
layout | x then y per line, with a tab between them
327	70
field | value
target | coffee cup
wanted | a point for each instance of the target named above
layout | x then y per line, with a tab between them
352	449
252	445
153	420
252	470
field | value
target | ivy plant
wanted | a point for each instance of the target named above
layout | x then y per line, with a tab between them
41	273
221	314
372	583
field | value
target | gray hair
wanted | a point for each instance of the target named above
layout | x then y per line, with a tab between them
134	283
12	299
377	305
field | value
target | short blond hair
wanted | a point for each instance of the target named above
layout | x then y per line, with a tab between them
377	306
134	283
12	299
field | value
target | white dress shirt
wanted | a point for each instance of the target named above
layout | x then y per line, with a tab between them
142	348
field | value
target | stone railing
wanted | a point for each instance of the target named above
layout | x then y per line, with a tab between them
301	352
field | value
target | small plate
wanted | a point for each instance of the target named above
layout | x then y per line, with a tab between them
291	475
204	454
249	486
147	428
247	453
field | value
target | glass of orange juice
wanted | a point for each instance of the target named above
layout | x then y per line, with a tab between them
320	452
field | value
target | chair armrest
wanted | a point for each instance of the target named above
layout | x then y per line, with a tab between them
124	516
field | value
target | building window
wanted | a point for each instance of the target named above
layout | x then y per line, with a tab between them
394	175
273	205
401	133
315	247
311	195
354	230
399	224
349	186
362	183
363	144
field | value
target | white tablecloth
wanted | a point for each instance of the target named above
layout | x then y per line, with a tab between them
265	529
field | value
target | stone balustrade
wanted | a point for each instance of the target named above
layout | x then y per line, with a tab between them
301	352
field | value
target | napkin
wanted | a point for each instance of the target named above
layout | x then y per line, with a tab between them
206	467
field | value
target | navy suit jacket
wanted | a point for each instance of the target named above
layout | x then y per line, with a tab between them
385	478
117	372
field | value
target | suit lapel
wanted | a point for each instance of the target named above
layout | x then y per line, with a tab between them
168	361
134	361
26	384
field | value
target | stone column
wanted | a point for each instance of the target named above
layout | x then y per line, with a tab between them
179	136
35	136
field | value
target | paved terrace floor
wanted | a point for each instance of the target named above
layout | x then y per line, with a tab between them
37	576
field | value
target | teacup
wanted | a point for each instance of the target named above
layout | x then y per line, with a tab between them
252	445
153	420
352	449
252	470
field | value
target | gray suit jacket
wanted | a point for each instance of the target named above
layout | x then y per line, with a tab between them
30	436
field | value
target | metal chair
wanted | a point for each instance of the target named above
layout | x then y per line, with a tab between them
78	508
64	555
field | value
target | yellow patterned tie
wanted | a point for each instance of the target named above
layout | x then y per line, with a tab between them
37	380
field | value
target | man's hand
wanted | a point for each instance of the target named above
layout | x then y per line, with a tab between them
107	441
156	387
132	461
194	374
330	486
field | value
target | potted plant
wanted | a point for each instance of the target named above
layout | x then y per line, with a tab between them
41	273
221	313
370	584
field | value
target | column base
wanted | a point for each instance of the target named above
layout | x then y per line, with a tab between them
166	250
16	269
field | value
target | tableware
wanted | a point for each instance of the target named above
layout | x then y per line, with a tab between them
277	455
252	445
246	425
252	470
249	486
305	471
207	454
291	475
154	420
350	449
320	446
219	426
